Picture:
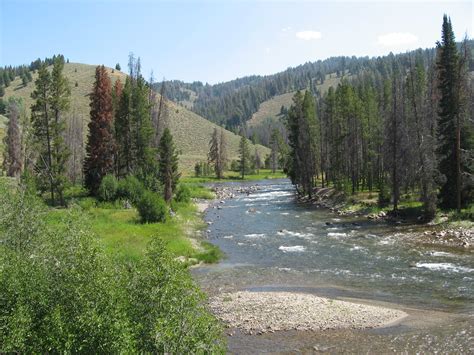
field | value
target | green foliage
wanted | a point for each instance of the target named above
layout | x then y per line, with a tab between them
108	188
130	188
168	164
152	208
61	294
183	193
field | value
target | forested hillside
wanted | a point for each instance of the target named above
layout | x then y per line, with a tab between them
233	103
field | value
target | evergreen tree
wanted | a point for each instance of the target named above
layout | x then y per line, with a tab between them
214	156
451	141
59	103
168	165
244	154
123	131
6	79
117	66
100	143
12	162
223	150
42	121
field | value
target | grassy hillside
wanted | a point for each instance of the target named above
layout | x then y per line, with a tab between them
270	109
192	132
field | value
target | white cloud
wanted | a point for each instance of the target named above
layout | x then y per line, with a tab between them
308	35
286	29
397	39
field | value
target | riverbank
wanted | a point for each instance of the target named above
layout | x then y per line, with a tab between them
122	235
444	230
263	312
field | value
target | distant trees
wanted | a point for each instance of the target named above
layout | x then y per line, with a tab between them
12	161
217	152
51	97
100	142
118	67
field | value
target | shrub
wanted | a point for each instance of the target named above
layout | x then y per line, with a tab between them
152	208
60	293
130	188
108	189
183	193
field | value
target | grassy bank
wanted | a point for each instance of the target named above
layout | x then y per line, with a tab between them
124	237
410	207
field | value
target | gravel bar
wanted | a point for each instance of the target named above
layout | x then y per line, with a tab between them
263	312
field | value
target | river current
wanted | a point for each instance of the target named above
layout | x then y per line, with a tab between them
271	242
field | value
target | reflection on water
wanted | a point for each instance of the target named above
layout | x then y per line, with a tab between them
269	239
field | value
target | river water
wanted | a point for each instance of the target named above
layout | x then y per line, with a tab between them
273	243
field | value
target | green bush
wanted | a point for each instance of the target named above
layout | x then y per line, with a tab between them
152	208
183	193
60	293
130	188
108	188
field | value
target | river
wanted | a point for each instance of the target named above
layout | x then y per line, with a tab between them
272	243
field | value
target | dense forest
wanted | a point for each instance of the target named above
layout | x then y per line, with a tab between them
406	126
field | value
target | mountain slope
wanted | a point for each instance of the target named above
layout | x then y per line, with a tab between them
191	131
269	110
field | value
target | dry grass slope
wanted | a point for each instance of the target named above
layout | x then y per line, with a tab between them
271	108
191	131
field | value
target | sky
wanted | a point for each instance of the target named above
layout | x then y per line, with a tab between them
216	41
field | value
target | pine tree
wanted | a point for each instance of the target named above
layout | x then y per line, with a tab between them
100	143
168	165
223	150
12	162
214	156
451	142
274	150
59	103
117	66
41	119
244	154
123	131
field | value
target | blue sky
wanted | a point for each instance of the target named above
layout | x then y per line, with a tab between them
214	41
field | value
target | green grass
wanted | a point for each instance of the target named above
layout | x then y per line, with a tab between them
125	238
235	176
191	132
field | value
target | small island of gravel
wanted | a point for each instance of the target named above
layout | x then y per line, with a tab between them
262	312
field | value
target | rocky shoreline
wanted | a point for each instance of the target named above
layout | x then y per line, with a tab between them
440	234
268	312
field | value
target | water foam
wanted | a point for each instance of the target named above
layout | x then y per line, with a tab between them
444	267
296	248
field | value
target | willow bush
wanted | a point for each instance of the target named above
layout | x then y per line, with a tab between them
59	292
